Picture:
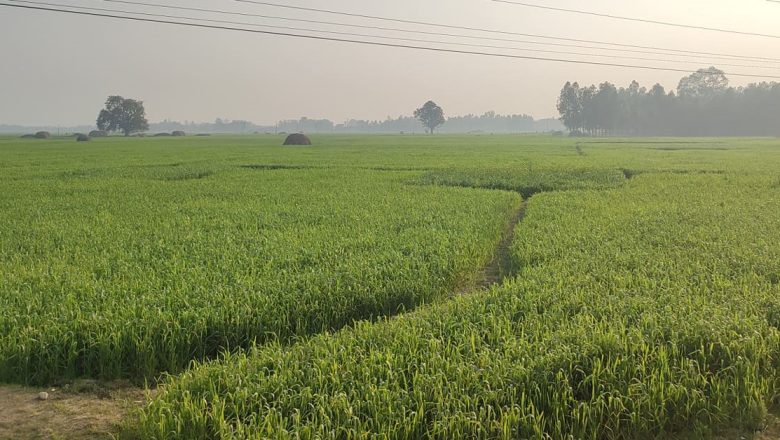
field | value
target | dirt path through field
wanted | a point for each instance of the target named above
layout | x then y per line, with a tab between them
84	410
500	266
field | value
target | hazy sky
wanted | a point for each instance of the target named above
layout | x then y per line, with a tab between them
58	69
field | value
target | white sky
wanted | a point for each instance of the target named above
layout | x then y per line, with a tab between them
58	69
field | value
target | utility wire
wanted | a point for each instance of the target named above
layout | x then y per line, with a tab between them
424	23
367	43
414	40
684	61
689	54
640	20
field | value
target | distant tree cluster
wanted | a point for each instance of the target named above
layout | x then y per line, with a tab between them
489	122
218	126
305	125
128	116
703	105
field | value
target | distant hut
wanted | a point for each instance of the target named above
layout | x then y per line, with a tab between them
297	139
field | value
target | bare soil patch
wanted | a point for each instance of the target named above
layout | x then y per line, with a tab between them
78	411
769	430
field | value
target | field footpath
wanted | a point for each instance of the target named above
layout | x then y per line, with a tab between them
500	267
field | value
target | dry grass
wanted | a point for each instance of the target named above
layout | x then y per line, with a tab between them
769	430
79	411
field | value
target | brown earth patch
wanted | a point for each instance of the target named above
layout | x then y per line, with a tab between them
78	411
769	430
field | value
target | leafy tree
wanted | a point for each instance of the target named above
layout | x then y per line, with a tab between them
431	115
704	83
570	106
125	115
589	110
606	106
660	110
632	108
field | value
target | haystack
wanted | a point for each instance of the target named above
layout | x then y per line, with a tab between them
297	139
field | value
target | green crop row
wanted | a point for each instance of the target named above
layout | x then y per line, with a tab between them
527	181
638	312
127	272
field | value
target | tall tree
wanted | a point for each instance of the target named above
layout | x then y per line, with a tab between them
632	101
431	115
570	106
125	115
660	112
704	83
606	107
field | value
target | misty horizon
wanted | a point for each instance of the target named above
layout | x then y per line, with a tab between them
219	119
61	67
407	123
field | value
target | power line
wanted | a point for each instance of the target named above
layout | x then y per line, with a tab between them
245	14
640	20
690	54
684	61
703	55
368	43
351	34
424	23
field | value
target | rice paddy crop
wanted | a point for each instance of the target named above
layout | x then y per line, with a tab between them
638	312
133	272
315	287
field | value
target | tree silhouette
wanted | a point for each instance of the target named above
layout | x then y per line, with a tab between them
431	115
704	83
125	115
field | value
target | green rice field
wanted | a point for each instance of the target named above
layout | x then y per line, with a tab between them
342	291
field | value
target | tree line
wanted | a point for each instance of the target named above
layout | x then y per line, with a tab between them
489	122
129	116
703	105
